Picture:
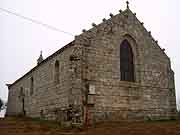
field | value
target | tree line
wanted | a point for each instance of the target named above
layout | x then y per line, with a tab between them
2	105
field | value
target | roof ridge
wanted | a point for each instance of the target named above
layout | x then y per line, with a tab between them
44	61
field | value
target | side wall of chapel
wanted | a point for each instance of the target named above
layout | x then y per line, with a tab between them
49	97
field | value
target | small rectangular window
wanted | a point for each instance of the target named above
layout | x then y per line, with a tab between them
32	86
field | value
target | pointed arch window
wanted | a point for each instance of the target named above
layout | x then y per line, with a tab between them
126	62
56	77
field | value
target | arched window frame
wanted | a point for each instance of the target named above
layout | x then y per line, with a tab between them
31	86
22	99
126	62
21	93
56	72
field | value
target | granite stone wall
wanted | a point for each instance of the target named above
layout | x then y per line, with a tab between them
49	98
151	96
90	88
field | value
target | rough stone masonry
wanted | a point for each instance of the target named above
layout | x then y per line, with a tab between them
112	72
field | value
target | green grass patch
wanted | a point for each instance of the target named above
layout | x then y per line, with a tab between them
160	119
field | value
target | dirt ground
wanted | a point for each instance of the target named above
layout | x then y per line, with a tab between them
19	126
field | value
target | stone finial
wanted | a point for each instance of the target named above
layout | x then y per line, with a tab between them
94	25
163	49
127	3
111	15
156	42
142	23
40	59
83	30
149	32
76	36
135	14
104	19
120	11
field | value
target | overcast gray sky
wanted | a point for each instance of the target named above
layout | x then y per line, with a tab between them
21	40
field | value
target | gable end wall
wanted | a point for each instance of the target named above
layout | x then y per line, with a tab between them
151	96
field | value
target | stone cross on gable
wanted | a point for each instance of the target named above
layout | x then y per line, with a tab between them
127	2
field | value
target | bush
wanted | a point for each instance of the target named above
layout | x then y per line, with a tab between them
1	104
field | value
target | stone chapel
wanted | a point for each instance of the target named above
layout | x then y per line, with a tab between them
114	71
